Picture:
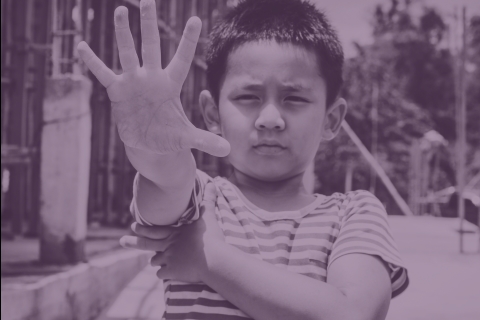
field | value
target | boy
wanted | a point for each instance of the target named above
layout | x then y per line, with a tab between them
255	245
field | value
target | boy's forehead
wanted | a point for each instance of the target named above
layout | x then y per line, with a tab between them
294	66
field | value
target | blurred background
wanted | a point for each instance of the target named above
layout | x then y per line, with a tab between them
412	137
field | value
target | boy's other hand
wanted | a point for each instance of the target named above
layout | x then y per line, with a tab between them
146	100
184	253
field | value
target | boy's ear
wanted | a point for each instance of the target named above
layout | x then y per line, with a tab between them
333	119
210	112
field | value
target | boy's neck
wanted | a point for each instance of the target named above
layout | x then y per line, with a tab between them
286	188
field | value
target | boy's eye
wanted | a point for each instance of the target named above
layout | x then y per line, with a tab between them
248	97
295	99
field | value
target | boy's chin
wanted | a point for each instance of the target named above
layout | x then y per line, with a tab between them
270	174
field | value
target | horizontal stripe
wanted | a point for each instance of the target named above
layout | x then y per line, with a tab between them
206	310
277	224
284	247
381	216
402	288
277	244
202	316
191	295
378	224
276	234
365	250
296	262
397	275
190	287
369	233
306	254
359	240
315	276
263	232
200	301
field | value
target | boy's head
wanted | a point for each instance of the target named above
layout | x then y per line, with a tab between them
274	72
294	22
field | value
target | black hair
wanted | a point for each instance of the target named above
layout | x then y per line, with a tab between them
286	21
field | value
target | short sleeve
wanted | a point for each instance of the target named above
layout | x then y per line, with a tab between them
192	212
364	229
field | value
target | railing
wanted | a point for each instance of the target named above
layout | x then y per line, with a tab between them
24	51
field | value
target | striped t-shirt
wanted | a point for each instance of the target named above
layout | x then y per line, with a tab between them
305	241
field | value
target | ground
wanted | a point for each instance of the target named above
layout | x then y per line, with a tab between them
20	256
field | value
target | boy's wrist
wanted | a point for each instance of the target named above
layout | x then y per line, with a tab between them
216	253
164	170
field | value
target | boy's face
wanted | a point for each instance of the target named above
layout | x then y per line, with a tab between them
272	110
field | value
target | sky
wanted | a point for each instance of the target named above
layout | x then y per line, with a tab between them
352	18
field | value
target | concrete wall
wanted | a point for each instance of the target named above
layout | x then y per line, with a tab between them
65	165
81	293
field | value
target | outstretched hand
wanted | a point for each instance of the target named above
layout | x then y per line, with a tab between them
146	100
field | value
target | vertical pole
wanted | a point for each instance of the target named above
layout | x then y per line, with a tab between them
349	176
56	41
77	20
461	128
374	147
16	125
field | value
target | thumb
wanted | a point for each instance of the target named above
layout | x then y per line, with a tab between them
209	142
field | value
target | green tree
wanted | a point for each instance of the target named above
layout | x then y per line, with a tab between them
407	75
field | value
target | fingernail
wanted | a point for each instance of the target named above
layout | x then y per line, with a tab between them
120	16
122	242
127	241
145	6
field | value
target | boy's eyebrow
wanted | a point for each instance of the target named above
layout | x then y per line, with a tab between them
253	87
286	87
295	87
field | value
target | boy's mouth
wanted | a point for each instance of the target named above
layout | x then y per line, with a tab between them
268	147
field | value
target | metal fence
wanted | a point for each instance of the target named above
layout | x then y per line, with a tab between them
39	38
25	38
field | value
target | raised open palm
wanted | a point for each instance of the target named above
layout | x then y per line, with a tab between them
146	100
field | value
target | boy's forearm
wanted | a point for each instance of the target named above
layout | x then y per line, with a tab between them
264	291
165	184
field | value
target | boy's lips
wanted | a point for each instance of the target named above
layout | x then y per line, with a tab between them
269	147
269	143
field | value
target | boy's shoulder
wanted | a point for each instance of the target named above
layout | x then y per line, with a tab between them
343	204
359	202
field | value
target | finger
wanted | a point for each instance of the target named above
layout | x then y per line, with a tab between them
95	65
207	206
153	232
209	195
150	36
180	64
164	273
126	46
208	142
141	243
159	259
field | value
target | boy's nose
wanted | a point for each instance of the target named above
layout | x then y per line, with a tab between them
270	118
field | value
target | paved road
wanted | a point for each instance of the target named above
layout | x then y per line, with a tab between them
444	285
